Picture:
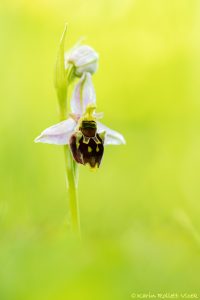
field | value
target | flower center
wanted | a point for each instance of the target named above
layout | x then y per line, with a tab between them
88	128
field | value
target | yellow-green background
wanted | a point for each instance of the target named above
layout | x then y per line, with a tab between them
139	212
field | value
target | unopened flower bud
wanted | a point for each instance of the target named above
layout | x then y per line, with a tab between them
83	58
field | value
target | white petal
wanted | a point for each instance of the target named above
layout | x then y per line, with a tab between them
89	96
58	134
84	58
76	100
112	137
83	94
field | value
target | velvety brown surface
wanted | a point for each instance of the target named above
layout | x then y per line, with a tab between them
90	153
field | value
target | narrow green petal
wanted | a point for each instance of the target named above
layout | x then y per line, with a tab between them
60	79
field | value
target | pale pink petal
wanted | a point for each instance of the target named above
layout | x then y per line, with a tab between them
76	100
83	94
89	95
58	134
112	137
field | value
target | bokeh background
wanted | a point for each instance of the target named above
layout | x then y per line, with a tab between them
140	211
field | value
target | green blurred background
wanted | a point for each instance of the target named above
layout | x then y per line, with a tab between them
140	211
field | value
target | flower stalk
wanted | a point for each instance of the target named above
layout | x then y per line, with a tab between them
72	189
62	80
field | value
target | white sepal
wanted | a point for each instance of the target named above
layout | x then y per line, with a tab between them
112	137
58	134
84	59
83	94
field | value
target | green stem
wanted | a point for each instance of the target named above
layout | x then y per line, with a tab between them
72	190
71	179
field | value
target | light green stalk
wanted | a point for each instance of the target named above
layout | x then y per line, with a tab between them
62	80
72	189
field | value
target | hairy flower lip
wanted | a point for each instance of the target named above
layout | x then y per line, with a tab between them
87	152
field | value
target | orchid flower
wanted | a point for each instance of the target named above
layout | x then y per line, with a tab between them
85	135
82	135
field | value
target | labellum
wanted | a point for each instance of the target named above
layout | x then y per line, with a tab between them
87	146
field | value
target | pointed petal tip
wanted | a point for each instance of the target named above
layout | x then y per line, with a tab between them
64	32
116	139
37	139
58	134
123	141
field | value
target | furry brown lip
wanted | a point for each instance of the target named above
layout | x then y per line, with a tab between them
87	145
